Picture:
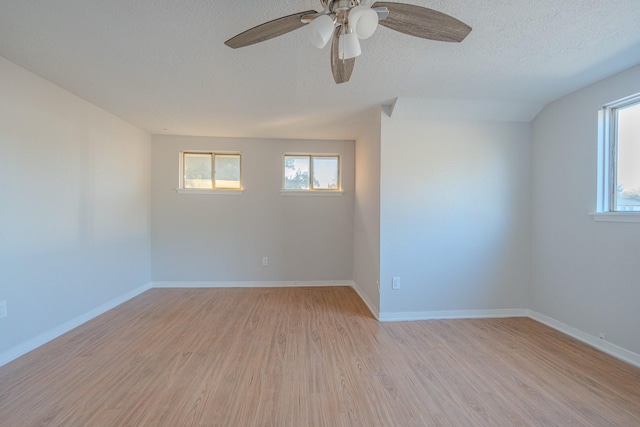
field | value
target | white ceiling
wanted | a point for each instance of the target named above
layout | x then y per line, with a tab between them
162	64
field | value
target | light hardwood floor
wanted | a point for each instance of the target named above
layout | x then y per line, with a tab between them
310	357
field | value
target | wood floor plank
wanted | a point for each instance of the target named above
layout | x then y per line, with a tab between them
310	357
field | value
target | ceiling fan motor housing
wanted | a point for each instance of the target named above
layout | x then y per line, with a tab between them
340	5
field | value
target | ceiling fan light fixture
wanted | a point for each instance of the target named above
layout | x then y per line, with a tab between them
349	45
321	30
364	21
345	22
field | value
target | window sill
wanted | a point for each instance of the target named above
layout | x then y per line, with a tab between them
210	192
311	193
615	216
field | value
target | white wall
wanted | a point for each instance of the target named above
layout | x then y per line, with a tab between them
74	206
366	223
584	274
222	238
455	202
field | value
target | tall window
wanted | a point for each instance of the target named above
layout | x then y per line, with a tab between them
310	172
621	133
211	171
627	194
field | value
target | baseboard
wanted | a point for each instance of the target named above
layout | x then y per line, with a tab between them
266	284
51	334
593	341
451	314
365	299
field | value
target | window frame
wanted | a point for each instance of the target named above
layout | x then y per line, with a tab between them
311	190
608	162
213	190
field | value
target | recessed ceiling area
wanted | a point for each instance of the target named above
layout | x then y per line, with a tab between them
162	65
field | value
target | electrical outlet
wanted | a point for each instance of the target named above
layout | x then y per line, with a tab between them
395	283
601	335
3	309
265	261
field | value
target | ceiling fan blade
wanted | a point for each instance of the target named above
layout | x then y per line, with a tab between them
269	30
341	68
421	22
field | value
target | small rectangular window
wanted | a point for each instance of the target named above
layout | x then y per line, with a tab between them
210	171
309	172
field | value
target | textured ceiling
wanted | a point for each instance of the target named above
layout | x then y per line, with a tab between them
162	64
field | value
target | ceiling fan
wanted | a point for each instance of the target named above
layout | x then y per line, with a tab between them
346	21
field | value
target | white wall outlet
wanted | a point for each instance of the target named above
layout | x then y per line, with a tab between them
395	283
3	309
601	335
265	261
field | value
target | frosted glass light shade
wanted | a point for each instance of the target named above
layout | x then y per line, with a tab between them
320	31
364	21
349	46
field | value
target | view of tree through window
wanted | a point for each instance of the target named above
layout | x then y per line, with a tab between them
308	172
628	159
296	173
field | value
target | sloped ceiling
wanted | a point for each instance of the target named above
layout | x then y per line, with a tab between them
162	64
